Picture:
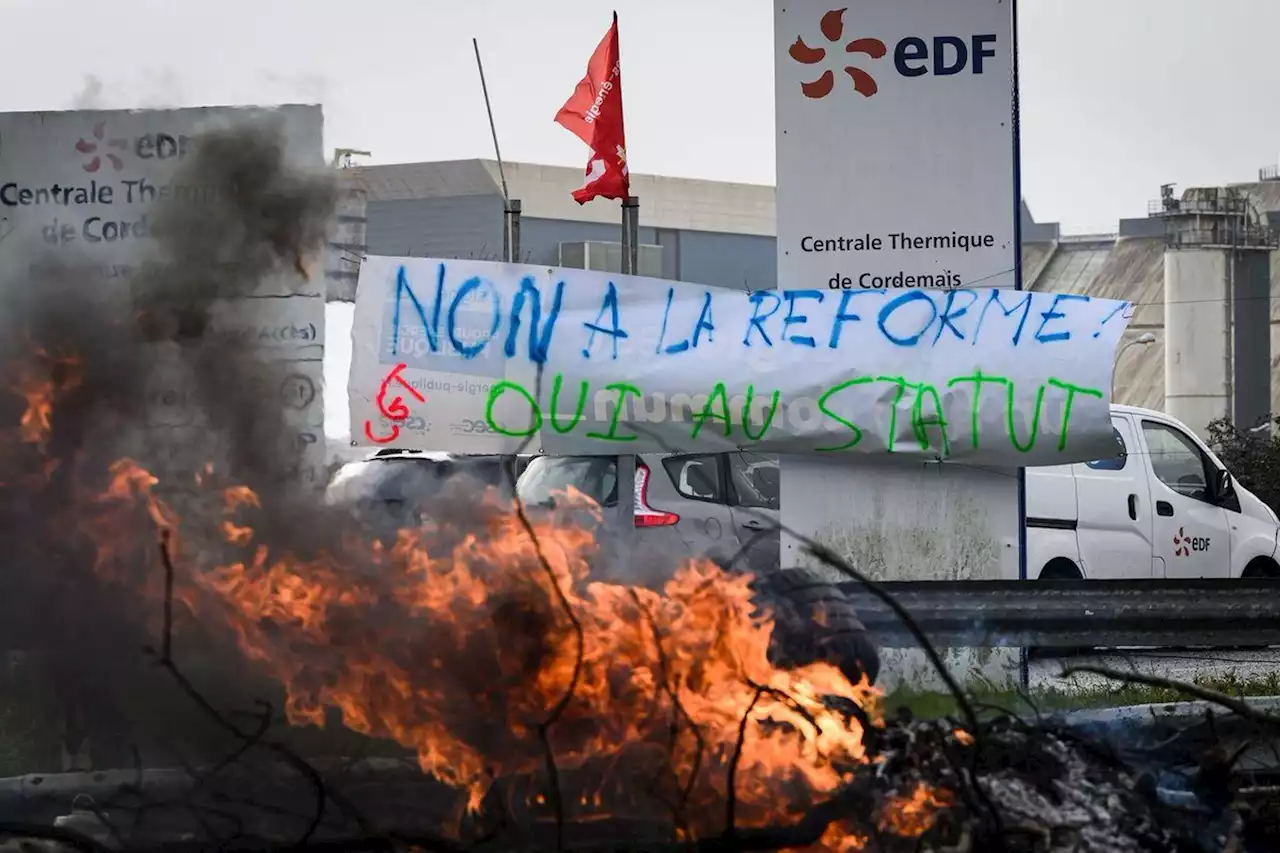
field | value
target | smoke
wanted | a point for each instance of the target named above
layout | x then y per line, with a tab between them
452	635
84	583
179	325
90	96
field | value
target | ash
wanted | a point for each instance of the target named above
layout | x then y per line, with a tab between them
1037	787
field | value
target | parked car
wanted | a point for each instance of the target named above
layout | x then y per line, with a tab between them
391	487
722	507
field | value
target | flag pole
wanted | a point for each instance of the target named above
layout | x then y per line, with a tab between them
510	207
630	215
631	235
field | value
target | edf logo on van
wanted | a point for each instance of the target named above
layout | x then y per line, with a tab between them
1183	544
913	56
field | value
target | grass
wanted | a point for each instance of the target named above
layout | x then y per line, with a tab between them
26	745
930	704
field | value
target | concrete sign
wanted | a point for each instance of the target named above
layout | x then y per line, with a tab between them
896	171
78	190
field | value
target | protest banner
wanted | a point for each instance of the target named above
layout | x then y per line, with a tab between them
480	357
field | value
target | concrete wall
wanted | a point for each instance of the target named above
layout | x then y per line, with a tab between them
1196	324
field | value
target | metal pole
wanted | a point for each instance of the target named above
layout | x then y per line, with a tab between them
1015	132
627	464
493	130
626	239
511	231
631	235
510	209
506	231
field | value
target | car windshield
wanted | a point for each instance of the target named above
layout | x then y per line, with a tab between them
595	476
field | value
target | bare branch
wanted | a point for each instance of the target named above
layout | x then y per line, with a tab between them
1236	706
731	794
544	728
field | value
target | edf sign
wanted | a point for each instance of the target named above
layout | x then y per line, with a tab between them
944	55
895	147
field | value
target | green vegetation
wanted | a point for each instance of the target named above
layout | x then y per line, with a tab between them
1253	457
989	699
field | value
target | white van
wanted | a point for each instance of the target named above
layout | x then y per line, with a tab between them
1163	507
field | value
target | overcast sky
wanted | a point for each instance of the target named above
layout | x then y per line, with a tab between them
1118	96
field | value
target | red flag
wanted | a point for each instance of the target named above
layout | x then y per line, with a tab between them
593	113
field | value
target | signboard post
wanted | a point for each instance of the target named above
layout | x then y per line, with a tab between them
897	170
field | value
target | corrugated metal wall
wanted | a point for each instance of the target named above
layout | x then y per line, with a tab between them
457	227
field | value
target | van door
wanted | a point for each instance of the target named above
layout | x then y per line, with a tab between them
1115	511
1191	532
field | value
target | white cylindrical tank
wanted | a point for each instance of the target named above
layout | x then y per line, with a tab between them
1197	378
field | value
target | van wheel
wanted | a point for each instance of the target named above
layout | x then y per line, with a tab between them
1060	569
1057	569
1261	567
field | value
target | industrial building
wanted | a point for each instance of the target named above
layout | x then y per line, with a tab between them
1213	251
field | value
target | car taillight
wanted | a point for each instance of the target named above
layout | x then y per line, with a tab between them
645	515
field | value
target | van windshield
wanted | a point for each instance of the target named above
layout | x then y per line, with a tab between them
595	476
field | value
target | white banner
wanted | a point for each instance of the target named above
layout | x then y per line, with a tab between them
479	357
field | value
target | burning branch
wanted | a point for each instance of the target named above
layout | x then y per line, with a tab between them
731	788
323	795
677	712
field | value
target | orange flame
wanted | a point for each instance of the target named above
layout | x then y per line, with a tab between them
40	387
461	651
913	815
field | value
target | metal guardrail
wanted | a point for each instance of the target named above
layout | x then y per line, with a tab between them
1206	613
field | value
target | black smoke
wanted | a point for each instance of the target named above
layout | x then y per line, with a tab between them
75	642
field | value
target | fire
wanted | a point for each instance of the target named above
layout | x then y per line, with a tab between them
914	814
839	838
481	648
39	386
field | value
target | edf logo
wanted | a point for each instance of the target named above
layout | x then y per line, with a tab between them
1184	545
913	56
950	54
